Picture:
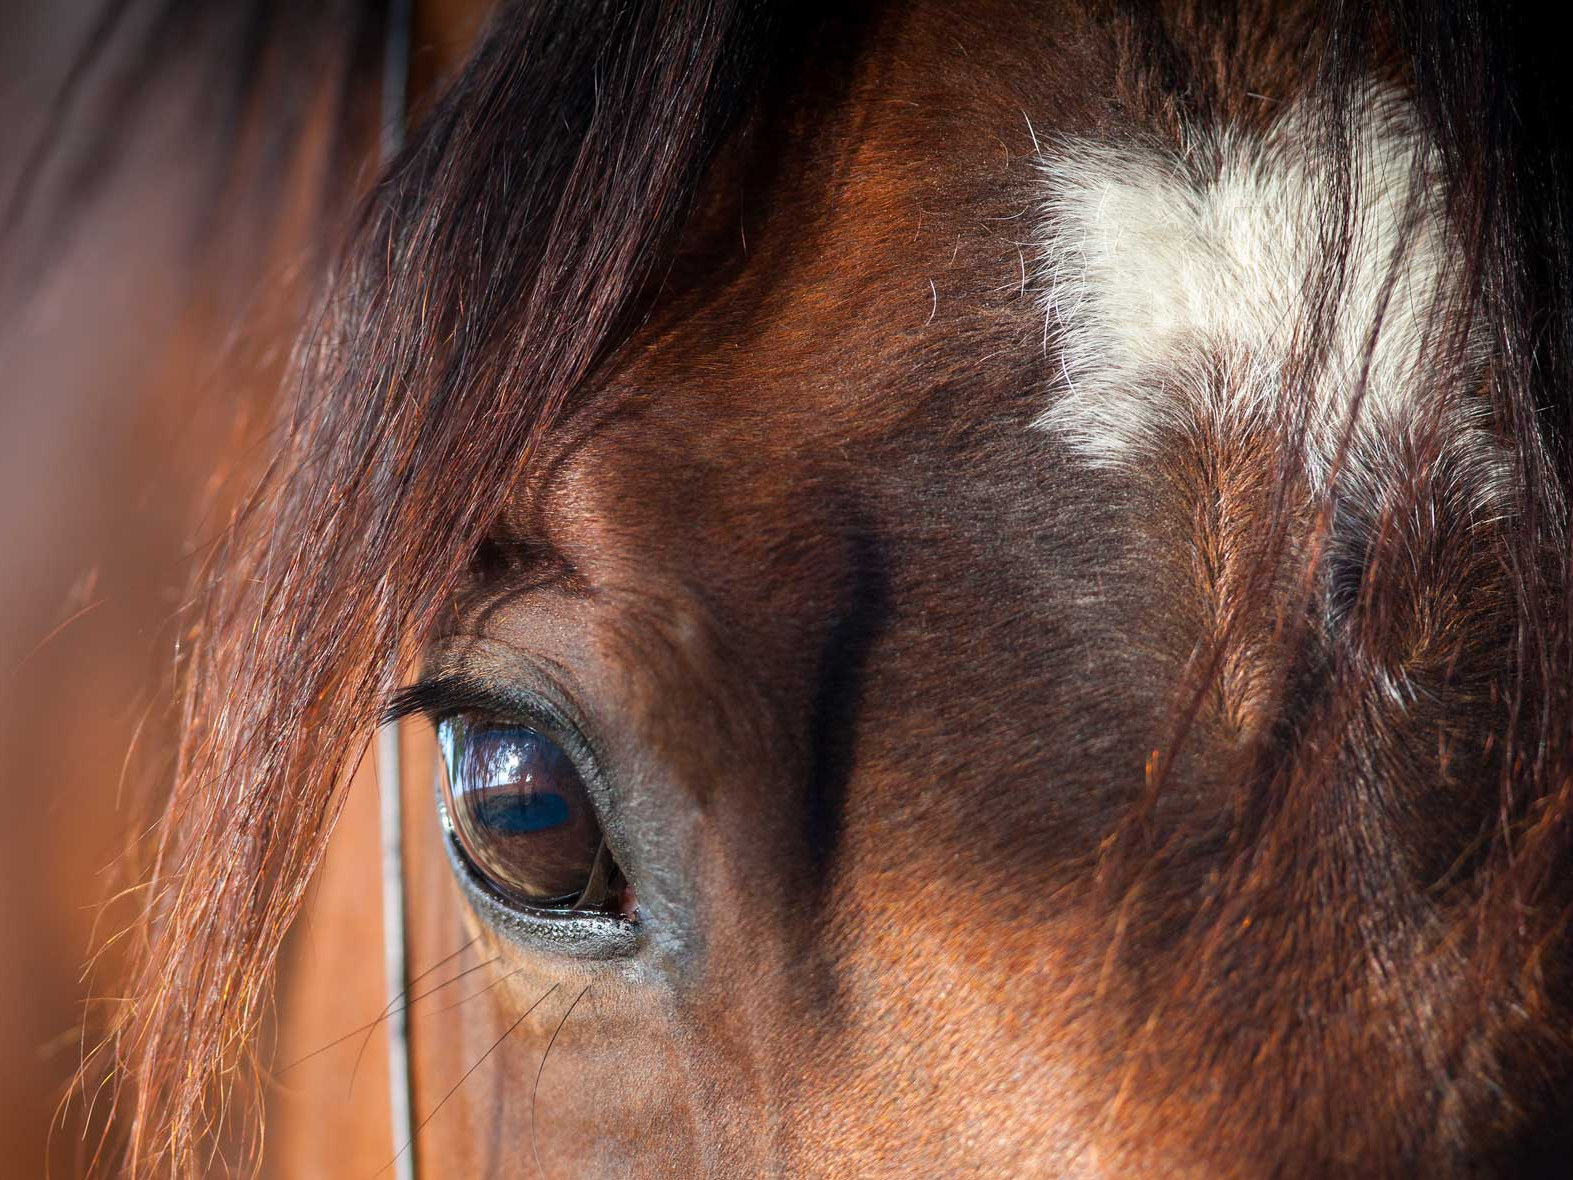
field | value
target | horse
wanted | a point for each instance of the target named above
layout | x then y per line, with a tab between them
988	590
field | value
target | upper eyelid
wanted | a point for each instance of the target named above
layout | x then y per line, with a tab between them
548	707
440	697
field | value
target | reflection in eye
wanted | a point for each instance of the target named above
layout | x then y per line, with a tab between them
521	814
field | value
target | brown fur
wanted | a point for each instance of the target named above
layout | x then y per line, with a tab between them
990	815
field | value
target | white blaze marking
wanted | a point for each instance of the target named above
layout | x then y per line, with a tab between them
1178	283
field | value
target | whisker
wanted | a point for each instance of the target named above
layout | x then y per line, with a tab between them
442	962
536	1089
455	1088
387	1010
481	992
355	1032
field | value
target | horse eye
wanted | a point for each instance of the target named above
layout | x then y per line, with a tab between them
521	816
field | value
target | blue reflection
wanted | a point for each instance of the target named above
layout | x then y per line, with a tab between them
515	813
507	778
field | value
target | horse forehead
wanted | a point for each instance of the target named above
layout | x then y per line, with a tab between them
1184	285
846	276
676	474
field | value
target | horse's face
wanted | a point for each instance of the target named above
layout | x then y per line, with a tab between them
854	744
846	647
992	580
869	675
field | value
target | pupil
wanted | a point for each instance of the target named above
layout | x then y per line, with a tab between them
511	814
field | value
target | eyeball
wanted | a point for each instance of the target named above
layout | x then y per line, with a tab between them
520	813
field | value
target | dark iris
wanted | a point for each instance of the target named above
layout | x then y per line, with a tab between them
521	814
513	812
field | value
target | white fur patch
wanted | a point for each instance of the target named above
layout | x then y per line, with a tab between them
1178	283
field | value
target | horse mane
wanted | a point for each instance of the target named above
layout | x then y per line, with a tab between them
488	279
